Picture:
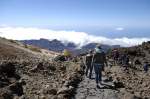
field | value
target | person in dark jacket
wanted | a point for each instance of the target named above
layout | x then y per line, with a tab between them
88	60
98	61
125	59
115	56
146	65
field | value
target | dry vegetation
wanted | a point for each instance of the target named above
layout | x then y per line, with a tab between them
34	48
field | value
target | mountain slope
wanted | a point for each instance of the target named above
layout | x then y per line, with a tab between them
29	72
135	80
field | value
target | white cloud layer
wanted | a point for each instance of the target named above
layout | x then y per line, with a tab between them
79	38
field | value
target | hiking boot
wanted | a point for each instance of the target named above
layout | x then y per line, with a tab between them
98	86
101	86
86	76
101	82
90	77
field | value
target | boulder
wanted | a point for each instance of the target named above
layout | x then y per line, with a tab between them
60	58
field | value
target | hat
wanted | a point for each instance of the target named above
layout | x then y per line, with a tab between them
90	51
98	46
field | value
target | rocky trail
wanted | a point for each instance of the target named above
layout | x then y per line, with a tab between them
87	90
117	84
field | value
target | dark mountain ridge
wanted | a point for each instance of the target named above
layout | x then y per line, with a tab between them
58	46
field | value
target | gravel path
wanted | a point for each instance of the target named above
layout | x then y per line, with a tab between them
87	90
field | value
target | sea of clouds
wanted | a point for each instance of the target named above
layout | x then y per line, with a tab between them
79	38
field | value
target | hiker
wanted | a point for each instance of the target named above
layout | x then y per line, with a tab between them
125	61
67	54
98	61
121	59
88	60
120	62
146	65
115	56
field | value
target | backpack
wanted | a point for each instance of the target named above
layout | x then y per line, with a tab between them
89	58
99	58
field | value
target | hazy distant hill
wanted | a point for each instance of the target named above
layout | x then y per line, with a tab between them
56	45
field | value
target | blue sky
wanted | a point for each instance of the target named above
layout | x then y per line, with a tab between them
96	17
